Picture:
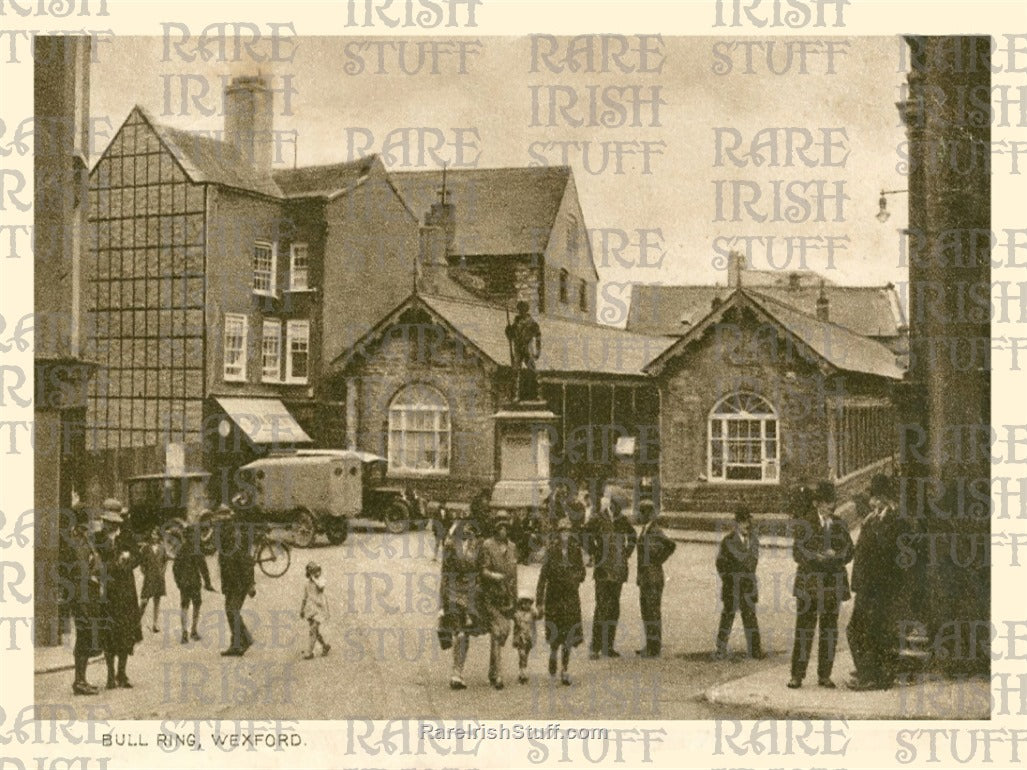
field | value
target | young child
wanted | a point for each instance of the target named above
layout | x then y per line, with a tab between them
190	571
524	631
315	609
154	566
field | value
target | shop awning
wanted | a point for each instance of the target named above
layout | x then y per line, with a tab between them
264	420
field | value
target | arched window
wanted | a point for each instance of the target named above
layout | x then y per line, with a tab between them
564	279
743	440
419	431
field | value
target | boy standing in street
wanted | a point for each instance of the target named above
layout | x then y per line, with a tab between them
736	564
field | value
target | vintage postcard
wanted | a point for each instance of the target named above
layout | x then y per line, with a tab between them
492	384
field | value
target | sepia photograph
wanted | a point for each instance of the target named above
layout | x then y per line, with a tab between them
601	377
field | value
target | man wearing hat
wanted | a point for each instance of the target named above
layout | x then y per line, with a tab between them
821	547
654	548
85	599
120	557
736	564
237	582
497	564
610	540
876	583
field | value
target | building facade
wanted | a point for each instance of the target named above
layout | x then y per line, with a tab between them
759	397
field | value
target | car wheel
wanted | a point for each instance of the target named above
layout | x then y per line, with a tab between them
304	529
337	529
397	518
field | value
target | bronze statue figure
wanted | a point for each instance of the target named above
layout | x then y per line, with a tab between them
525	338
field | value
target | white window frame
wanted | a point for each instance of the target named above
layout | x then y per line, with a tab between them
294	250
230	371
769	461
401	425
271	274
272	332
296	331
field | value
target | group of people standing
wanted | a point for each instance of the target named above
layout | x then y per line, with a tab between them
101	557
479	589
822	548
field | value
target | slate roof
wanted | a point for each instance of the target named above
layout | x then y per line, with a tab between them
838	346
872	311
567	346
499	211
206	159
325	180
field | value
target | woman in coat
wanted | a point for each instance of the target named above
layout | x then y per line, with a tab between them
557	597
459	594
120	558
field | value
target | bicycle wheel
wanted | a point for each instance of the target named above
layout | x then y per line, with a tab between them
273	558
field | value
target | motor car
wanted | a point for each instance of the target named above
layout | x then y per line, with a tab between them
318	491
170	502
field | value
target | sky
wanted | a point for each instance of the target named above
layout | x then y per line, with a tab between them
345	99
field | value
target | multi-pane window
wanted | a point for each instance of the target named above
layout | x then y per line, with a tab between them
564	291
263	268
419	431
743	440
297	335
235	347
298	267
271	352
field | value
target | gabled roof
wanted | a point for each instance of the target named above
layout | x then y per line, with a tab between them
567	346
836	345
208	160
323	181
871	311
499	211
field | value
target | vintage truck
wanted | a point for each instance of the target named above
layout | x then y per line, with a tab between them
319	491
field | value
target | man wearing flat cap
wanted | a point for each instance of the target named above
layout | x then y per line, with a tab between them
821	548
876	583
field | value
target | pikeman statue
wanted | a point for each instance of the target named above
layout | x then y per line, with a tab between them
525	338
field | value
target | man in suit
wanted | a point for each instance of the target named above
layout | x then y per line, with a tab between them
653	549
821	548
736	564
237	582
610	540
876	583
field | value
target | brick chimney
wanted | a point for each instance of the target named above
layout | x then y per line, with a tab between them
823	305
249	106
735	265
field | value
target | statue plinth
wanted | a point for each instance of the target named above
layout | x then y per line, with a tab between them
524	432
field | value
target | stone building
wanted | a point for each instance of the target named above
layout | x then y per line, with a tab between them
758	396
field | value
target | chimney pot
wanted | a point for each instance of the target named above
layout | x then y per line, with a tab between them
736	263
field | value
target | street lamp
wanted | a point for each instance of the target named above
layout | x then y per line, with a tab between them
882	204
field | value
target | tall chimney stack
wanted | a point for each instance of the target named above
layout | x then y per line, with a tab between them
249	107
823	305
735	265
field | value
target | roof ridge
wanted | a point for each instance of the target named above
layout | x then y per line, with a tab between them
819	320
362	159
466	170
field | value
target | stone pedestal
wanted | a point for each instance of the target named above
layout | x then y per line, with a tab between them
523	439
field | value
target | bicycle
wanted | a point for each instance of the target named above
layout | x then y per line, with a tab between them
271	554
